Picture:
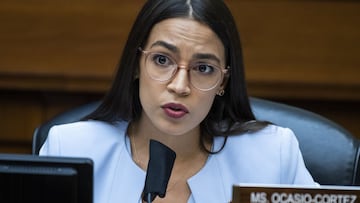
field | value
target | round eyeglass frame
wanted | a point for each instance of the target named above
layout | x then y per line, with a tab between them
222	71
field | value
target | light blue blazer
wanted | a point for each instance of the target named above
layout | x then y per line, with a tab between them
270	156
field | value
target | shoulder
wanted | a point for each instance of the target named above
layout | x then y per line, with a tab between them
270	155
269	145
82	137
271	137
89	128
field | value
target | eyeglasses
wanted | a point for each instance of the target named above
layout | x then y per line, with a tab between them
203	76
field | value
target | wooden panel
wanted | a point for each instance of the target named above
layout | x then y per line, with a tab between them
22	112
16	148
63	38
293	49
50	82
301	49
18	117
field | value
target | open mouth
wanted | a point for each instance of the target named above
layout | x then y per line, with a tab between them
175	110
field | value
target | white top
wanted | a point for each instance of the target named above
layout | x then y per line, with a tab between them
269	156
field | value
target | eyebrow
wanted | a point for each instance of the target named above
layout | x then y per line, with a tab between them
207	56
166	45
174	49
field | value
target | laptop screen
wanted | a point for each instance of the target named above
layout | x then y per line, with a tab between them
29	178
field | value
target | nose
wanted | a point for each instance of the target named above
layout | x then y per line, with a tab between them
180	83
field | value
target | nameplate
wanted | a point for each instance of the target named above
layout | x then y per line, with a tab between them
255	193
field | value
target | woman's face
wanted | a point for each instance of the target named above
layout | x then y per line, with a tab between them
174	106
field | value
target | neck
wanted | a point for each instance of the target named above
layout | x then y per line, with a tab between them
186	146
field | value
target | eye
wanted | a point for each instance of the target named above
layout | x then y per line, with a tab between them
161	60
204	68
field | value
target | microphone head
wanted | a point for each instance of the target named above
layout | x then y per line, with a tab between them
161	162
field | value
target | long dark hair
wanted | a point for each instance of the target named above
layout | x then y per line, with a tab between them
229	115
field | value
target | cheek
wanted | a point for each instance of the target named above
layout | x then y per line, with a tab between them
204	104
145	89
149	92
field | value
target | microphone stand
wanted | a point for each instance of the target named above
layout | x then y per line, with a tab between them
149	198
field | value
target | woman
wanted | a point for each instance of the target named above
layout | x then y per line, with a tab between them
181	81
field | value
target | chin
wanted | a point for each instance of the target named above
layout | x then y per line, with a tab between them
172	130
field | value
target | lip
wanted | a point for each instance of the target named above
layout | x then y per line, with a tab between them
174	110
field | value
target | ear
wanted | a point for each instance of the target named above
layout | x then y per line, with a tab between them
221	90
225	79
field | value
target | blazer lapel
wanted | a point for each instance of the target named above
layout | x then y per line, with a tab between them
208	185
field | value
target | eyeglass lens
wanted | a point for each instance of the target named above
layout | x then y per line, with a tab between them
161	67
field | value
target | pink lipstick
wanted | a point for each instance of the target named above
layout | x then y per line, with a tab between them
174	110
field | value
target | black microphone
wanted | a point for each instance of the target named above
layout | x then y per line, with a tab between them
161	162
